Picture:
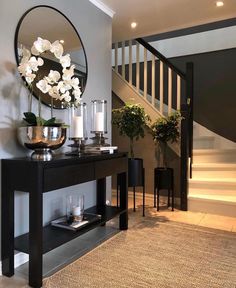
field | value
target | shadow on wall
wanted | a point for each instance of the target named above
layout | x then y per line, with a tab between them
145	148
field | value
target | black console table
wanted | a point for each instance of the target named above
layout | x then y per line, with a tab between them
38	177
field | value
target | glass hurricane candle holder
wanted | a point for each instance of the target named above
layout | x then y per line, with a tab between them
99	121
77	129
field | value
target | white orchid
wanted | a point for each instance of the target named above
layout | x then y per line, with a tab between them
43	86
58	86
65	61
30	78
40	46
66	96
77	93
54	92
63	87
57	49
25	55
68	73
53	77
34	63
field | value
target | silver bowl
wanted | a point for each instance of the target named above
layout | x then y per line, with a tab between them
42	140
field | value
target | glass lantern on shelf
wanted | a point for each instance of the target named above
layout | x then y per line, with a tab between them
99	122
77	129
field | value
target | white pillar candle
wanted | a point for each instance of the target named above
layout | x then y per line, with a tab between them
99	121
76	211
78	127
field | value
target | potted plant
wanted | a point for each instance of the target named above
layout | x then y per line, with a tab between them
131	120
165	130
43	135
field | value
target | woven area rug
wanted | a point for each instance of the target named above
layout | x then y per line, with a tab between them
155	254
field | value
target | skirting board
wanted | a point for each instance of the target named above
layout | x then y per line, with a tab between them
19	259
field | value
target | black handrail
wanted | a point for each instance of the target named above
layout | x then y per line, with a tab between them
161	57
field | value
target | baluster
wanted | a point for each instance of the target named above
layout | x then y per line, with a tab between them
123	59
116	57
130	62
169	91
153	80
161	87
137	68
145	74
178	92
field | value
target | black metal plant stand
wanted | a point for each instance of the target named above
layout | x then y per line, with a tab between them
136	178
163	179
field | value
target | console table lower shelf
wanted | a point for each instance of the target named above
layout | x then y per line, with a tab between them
54	237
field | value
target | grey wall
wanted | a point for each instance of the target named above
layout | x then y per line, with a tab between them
94	28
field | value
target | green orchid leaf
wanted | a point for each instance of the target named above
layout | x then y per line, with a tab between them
30	118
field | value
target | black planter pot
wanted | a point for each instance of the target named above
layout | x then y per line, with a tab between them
163	179
135	172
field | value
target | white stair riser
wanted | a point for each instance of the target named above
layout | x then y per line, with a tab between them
204	191
214	157
212	185
213	173
212	207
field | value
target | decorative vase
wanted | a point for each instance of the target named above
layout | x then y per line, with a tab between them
42	139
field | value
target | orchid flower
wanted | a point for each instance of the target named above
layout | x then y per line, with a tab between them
57	49
43	86
58	86
53	77
65	61
40	46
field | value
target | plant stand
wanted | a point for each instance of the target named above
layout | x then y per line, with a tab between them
136	178
163	179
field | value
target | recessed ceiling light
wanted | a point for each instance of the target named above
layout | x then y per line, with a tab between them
133	25
219	3
62	41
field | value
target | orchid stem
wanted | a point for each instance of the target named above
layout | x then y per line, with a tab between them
51	107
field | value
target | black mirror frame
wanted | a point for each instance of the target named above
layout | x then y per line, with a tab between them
16	44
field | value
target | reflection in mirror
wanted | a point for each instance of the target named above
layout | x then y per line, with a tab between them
48	23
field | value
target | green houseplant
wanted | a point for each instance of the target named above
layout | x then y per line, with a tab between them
166	130
130	120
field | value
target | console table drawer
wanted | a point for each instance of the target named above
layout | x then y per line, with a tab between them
55	178
104	168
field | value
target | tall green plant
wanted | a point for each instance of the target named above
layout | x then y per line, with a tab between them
130	121
164	130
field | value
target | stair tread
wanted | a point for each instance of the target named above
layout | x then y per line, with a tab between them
214	165
213	151
213	180
222	198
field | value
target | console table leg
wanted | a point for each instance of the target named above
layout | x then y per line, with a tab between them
35	238
7	226
123	201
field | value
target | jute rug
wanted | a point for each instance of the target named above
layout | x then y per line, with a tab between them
155	254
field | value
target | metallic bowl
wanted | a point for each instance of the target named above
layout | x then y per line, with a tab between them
42	140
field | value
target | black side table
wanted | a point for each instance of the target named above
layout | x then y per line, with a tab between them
163	179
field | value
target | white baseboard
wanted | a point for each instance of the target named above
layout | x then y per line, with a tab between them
19	259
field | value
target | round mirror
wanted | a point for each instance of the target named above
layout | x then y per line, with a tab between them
50	24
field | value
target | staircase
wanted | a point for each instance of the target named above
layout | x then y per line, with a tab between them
212	188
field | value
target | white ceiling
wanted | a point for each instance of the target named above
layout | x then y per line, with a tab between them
158	16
